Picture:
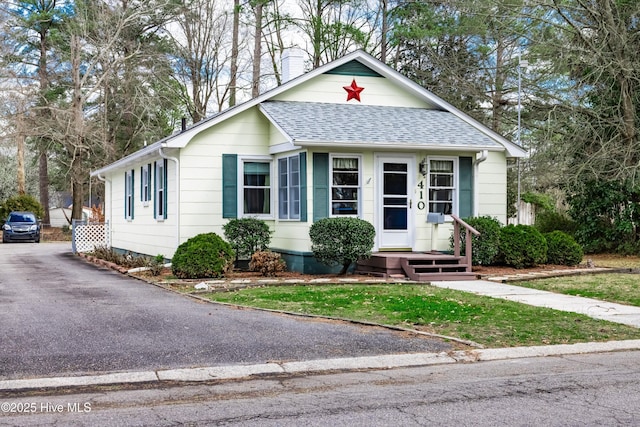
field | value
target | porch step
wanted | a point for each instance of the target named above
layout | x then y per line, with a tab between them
419	267
435	268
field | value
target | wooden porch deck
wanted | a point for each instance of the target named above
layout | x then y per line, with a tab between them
417	266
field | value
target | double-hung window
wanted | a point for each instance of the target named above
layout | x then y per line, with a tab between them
145	184
256	188
442	185
160	189
289	187
128	194
345	185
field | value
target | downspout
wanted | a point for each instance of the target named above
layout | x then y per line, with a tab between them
177	162
480	157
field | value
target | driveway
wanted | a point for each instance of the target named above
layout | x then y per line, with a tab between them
60	315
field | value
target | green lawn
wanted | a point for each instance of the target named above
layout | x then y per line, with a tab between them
487	321
620	288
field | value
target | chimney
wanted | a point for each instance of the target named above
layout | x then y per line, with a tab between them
184	124
292	63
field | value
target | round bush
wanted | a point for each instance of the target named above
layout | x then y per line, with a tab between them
202	256
522	246
486	246
563	249
341	241
247	235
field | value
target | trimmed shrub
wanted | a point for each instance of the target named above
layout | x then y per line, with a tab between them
24	202
341	241
267	263
203	256
486	246
522	246
563	249
247	235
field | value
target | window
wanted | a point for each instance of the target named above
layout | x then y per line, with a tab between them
145	184
128	194
289	188
345	185
256	189
160	181
442	185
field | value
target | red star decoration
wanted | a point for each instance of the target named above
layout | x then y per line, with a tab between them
353	91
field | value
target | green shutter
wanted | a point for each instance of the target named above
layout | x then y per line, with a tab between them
155	190
133	193
229	185
465	179
141	183
126	183
303	187
320	186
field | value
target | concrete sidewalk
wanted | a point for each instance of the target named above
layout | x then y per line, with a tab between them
618	313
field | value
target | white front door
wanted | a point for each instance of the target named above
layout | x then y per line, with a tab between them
394	218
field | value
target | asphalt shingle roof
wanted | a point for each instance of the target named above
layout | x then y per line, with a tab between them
317	122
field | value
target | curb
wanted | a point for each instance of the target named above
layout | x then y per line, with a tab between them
243	372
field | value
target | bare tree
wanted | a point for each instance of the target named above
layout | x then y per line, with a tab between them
203	56
276	24
597	44
93	35
333	28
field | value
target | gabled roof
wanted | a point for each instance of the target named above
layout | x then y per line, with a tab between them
183	138
374	125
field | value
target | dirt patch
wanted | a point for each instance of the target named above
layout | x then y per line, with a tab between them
55	234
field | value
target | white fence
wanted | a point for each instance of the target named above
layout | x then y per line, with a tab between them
86	236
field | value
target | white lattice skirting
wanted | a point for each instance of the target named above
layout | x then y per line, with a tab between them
88	236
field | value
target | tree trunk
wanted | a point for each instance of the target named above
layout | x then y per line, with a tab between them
345	267
20	139
234	53
43	181
383	31
257	52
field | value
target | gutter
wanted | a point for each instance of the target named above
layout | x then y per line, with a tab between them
480	157
177	162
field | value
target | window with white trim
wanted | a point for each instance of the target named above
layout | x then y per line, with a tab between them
289	187
160	206
145	184
442	183
256	188
128	194
345	185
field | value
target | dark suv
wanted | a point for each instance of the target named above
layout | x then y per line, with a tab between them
21	227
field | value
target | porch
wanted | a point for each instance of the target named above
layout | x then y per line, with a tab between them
424	266
417	266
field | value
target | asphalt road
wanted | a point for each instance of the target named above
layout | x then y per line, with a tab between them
578	390
60	315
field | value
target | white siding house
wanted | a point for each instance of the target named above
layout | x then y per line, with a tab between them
353	137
